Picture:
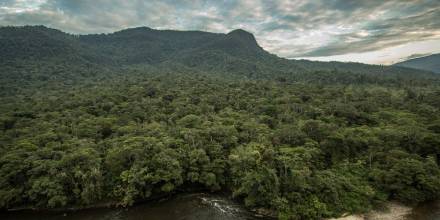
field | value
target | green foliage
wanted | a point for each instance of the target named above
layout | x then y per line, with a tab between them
307	140
407	177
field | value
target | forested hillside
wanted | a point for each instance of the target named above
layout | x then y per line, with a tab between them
429	63
143	113
236	54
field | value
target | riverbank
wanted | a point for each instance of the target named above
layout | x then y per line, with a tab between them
109	203
210	205
391	211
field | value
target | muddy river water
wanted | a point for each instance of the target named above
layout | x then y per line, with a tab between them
197	206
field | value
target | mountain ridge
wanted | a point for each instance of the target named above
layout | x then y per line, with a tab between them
428	63
235	53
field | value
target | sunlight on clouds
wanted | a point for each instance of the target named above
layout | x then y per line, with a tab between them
385	56
21	6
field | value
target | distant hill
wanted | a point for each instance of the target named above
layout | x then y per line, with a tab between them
429	63
53	54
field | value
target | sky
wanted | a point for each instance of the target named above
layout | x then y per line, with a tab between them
367	31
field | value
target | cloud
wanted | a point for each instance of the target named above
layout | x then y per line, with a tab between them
416	55
288	28
384	33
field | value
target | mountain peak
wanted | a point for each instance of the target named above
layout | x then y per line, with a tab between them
243	36
241	33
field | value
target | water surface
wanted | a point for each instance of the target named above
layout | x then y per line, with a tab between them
198	206
182	207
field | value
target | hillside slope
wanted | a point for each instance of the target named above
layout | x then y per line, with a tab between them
236	53
428	63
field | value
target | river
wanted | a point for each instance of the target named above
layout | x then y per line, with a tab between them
198	206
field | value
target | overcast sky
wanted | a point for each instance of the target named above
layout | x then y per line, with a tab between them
369	31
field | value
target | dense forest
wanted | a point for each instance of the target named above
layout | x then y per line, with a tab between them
141	113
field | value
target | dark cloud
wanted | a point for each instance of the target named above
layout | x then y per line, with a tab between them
289	28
